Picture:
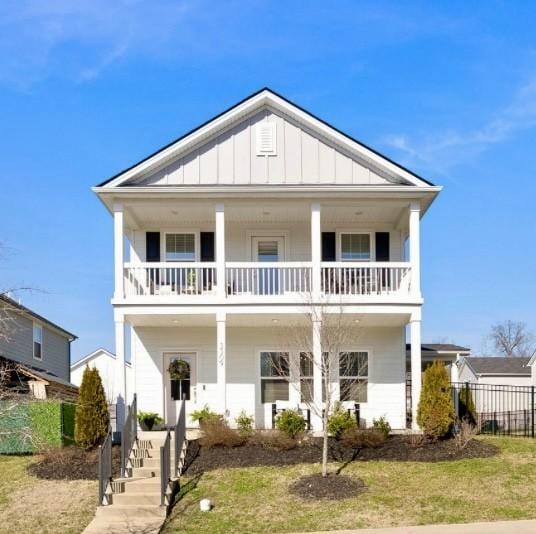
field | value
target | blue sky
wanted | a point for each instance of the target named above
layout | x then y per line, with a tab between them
448	89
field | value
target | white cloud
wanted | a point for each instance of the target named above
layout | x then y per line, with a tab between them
443	150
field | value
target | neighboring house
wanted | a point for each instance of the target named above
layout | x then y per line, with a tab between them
498	370
104	361
235	230
451	355
39	349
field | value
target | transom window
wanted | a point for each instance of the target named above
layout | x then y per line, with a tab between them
180	247
355	247
275	375
37	342
353	376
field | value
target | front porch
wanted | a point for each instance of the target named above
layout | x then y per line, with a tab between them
226	354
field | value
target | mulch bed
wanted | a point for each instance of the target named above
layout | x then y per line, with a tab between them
396	448
72	463
332	487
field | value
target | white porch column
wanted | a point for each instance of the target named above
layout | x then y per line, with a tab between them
120	373
416	372
118	251
221	364
316	415
220	250
415	248
316	250
455	370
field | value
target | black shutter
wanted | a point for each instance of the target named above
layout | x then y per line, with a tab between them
382	246
207	246
152	246
328	246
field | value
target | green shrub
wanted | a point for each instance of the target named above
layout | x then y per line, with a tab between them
382	425
67	422
244	423
92	418
435	414
45	422
204	416
360	438
466	405
291	423
217	433
273	439
339	421
149	419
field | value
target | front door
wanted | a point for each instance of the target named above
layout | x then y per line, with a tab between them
176	389
268	250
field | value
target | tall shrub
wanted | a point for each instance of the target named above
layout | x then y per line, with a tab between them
435	414
92	417
467	410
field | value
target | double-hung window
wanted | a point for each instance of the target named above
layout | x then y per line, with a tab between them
275	376
355	247
306	377
37	342
353	376
180	247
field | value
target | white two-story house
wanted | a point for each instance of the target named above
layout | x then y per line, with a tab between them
233	231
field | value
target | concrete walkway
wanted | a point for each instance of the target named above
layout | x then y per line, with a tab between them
497	527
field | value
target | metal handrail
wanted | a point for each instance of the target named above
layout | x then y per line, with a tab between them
180	436
105	467
165	467
129	436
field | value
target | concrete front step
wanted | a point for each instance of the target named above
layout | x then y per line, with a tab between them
132	511
106	525
138	498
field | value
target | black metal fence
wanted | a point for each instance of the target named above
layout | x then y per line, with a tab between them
496	409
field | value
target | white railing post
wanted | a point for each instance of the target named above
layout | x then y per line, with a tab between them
316	251
414	247
119	259
220	251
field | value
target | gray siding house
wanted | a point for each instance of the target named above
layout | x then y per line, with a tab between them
40	348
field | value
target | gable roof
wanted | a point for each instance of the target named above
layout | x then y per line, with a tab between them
262	98
498	365
92	355
440	347
18	307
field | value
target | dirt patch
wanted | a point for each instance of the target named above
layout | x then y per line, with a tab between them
309	450
332	487
72	463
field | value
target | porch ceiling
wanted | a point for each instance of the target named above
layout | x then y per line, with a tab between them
264	211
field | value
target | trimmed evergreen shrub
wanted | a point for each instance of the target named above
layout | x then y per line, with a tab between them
244	423
92	418
339	421
290	422
435	414
466	405
382	425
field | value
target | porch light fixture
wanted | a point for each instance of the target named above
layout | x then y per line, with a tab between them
275	321
356	321
358	213
175	321
265	212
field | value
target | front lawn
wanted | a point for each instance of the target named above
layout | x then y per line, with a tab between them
256	499
30	504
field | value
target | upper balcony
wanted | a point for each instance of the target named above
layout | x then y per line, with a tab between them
284	252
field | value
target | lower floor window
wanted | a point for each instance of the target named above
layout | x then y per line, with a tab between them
353	376
275	375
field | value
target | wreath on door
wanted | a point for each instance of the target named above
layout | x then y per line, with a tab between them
179	370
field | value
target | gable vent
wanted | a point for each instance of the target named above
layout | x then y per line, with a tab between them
266	145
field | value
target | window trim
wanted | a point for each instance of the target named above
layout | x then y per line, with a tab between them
358	377
288	379
40	326
372	254
193	232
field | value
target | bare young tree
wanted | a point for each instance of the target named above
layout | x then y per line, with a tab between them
333	332
512	338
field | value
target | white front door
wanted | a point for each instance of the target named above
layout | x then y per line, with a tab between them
175	390
268	250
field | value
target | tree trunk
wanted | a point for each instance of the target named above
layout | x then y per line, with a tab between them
325	448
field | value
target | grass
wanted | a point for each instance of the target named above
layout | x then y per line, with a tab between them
28	504
256	499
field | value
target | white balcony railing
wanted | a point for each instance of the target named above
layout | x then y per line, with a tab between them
268	278
345	279
361	279
169	278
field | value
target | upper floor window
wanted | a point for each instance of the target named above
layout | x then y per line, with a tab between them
355	247
37	342
353	376
180	247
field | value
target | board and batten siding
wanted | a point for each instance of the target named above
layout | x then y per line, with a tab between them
386	390
19	347
231	158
